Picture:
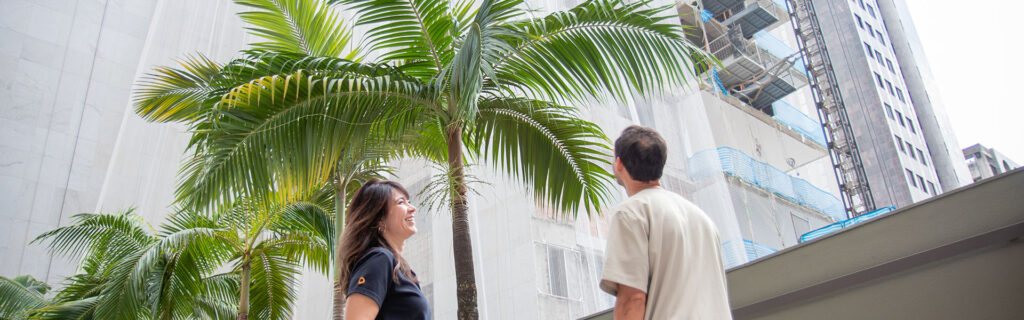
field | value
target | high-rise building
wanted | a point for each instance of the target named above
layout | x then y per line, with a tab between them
987	162
906	143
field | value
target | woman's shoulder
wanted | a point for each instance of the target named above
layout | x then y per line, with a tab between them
377	255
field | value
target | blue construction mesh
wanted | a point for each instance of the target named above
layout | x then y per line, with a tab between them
738	164
820	232
706	15
798	121
751	249
777	48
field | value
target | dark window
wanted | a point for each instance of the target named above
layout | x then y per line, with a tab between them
995	170
861	3
910	150
899	142
899	94
931	187
910	124
888	85
859	21
880	38
899	116
1006	166
871	32
868	48
920	182
871	11
888	63
879	78
878	57
920	155
888	111
910	176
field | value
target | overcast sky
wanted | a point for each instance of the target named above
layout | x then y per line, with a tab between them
978	60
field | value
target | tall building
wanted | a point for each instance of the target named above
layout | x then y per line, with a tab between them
987	162
741	147
905	140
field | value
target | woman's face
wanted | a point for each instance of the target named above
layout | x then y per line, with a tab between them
400	222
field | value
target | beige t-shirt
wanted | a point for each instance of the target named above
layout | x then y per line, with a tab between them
664	245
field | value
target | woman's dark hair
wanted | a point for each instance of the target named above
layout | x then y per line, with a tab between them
643	152
366	214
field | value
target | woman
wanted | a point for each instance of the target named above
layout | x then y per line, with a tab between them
380	283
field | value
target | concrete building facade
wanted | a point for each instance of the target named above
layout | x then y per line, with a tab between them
987	162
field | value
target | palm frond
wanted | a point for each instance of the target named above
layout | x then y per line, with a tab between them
561	157
309	27
274	279
288	132
17	300
599	46
415	35
180	94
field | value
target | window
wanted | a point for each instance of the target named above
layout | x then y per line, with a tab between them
868	48
871	11
931	187
910	148
861	3
888	63
556	272
899	116
888	85
859	21
871	32
881	38
878	57
920	155
888	111
910	176
899	94
920	182
879	78
899	142
1006	166
910	124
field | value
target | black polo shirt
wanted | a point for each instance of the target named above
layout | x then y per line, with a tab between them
372	276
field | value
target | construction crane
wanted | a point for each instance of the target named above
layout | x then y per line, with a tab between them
843	151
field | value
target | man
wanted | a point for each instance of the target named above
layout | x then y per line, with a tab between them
663	259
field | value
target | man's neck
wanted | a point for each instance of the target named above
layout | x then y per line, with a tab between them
635	187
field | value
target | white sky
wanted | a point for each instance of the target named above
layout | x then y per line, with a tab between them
977	57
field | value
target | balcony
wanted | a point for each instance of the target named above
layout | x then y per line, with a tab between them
756	16
754	74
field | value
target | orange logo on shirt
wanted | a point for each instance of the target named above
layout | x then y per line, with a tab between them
362	280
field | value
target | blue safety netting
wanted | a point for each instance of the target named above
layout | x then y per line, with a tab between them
705	15
777	48
798	121
738	164
718	81
752	250
820	232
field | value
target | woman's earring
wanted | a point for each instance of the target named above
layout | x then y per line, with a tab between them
380	228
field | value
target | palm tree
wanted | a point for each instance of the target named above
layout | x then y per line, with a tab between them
483	80
132	272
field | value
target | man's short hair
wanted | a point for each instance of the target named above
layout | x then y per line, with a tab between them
643	152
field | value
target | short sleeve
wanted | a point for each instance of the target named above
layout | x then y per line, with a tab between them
371	275
626	259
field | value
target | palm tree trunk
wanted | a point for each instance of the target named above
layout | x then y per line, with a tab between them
339	226
465	278
243	298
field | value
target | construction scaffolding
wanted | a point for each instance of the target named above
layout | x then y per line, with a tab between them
843	151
